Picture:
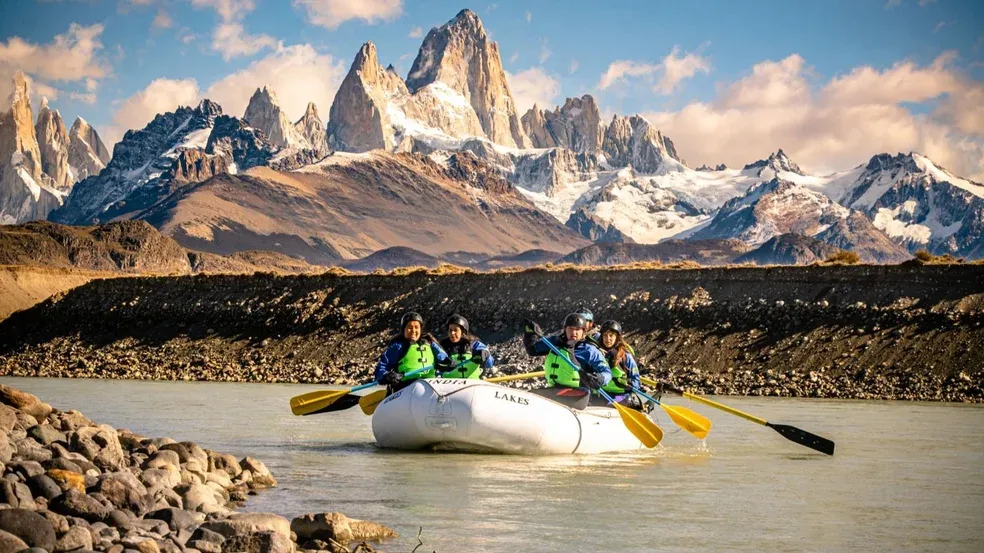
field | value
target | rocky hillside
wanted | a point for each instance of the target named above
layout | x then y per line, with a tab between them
864	332
349	206
132	247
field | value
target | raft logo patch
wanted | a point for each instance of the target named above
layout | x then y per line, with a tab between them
392	397
512	398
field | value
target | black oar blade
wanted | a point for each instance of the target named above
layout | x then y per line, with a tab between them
802	437
345	402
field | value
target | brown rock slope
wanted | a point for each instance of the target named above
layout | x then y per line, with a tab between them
351	205
39	258
908	332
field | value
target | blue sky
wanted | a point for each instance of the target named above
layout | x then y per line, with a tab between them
551	49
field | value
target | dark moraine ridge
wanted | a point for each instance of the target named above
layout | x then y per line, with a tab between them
902	332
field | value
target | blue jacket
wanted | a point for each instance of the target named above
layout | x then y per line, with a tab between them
630	367
589	357
476	348
395	352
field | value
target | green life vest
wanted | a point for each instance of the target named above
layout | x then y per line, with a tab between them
618	374
470	369
418	356
559	372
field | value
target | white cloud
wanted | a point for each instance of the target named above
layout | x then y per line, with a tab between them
529	17
161	95
838	124
85	98
545	52
575	65
228	10
677	69
416	32
332	13
231	41
230	38
70	57
625	68
514	57
298	74
892	4
533	86
924	3
162	20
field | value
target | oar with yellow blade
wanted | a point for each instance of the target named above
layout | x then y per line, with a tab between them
641	426
791	433
320	401
689	420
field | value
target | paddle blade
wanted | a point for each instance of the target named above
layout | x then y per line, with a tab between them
802	437
691	421
641	426
369	402
315	402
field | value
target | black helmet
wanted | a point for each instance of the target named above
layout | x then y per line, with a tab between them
411	316
458	320
575	320
586	313
614	326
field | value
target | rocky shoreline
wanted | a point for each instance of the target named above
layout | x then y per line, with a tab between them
72	485
862	332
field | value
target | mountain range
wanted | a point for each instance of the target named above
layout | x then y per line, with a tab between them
442	161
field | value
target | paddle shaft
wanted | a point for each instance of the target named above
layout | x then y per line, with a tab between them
710	403
514	377
574	366
791	433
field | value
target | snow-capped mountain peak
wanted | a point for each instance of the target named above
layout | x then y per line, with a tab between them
773	166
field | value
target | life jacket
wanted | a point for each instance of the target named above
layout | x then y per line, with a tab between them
619	374
418	355
461	351
558	372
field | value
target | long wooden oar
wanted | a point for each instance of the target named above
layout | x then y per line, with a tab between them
641	426
370	401
319	401
791	433
689	420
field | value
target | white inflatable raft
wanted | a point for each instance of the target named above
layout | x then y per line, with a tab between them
473	415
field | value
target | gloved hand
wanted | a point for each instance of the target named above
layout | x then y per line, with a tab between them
530	327
592	380
444	366
479	357
392	378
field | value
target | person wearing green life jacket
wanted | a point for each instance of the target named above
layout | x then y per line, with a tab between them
409	351
564	383
593	335
469	356
625	371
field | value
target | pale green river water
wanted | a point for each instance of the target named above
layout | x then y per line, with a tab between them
905	476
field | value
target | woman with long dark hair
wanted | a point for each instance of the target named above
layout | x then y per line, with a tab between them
468	354
625	371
